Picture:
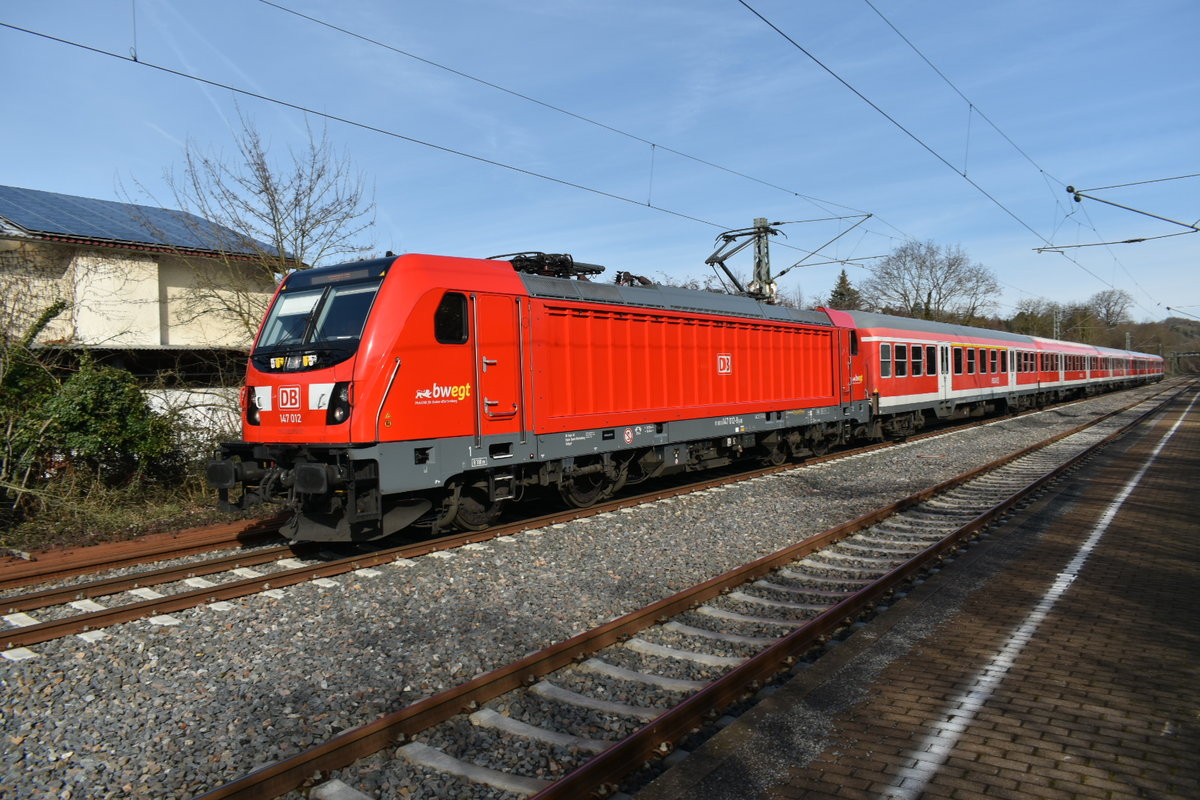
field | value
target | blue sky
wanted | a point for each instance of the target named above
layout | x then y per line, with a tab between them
1091	93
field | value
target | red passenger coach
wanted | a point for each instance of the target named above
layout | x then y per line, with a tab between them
918	370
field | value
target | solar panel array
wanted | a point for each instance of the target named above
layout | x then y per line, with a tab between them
86	218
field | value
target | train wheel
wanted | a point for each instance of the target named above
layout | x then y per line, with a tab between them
584	490
475	511
775	456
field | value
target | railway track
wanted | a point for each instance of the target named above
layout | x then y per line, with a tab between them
572	720
84	608
56	565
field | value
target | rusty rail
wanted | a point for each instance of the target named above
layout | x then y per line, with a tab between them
55	564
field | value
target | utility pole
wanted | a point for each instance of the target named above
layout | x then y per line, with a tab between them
762	283
762	286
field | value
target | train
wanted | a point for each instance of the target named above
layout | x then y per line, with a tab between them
429	392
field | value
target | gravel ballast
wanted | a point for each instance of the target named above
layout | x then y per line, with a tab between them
173	711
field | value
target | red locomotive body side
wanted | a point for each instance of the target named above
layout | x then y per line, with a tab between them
596	366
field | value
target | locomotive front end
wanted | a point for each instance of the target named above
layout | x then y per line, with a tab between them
298	408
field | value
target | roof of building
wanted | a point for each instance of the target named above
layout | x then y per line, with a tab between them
30	213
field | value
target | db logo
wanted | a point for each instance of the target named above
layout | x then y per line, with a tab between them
289	396
724	363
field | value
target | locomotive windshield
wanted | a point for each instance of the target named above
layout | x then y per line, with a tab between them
309	328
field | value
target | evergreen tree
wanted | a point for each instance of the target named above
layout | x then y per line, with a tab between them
844	296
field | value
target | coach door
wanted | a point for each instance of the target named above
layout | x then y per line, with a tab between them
945	376
496	320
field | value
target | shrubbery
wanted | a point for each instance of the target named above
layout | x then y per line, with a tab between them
84	455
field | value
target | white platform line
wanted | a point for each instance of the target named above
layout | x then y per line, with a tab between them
929	756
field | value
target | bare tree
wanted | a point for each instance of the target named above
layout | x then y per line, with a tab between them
1111	306
267	216
925	280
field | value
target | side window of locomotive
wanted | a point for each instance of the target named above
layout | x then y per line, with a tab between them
853	343
901	360
885	361
450	319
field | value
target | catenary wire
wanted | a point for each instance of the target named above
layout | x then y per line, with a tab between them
1141	183
368	127
819	202
918	140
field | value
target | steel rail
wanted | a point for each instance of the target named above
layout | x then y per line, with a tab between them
349	746
56	564
121	583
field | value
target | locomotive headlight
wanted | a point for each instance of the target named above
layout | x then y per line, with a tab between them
339	404
252	415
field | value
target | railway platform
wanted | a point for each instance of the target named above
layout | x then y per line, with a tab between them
1058	657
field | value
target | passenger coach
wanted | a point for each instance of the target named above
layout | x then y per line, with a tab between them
919	369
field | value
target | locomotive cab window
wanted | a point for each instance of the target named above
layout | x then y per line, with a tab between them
312	326
450	319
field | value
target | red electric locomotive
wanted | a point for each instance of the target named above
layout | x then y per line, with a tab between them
425	390
431	390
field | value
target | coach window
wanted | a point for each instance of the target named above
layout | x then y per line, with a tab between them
930	360
995	360
885	361
1004	361
970	360
901	360
916	361
450	319
958	365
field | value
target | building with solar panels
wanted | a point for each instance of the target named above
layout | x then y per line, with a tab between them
152	290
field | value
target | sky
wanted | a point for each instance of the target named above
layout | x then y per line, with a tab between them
632	133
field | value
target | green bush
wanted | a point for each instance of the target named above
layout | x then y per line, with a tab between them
99	420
